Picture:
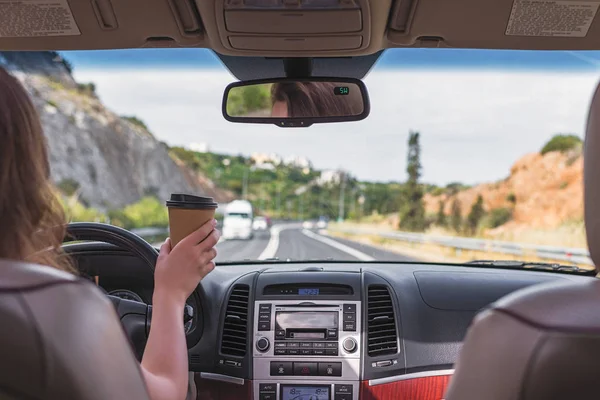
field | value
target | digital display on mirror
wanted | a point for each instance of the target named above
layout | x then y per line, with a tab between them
304	392
341	90
308	292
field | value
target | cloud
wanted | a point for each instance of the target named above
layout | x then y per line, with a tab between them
474	124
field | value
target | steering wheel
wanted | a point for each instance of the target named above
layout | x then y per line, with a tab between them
111	234
135	316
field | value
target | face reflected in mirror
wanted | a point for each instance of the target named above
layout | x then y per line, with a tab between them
280	109
295	99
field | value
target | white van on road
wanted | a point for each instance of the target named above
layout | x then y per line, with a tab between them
237	220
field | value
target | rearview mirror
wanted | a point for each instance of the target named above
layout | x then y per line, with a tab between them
296	102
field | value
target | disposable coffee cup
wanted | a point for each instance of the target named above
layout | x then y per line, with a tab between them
187	213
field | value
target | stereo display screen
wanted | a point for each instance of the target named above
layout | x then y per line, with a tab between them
306	319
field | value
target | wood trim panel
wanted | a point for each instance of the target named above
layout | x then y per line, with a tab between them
208	389
428	388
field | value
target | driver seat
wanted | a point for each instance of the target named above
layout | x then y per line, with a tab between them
542	342
60	338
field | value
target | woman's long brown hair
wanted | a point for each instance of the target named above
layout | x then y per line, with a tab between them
315	99
32	221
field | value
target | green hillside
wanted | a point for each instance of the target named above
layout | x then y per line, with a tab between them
288	191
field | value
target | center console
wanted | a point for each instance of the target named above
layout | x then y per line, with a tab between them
307	342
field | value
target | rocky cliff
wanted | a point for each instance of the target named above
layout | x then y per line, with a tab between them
543	191
109	160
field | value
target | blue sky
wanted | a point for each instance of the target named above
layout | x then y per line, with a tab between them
395	58
478	111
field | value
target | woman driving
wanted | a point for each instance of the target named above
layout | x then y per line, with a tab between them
33	228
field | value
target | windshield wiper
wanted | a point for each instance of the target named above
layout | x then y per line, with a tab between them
536	266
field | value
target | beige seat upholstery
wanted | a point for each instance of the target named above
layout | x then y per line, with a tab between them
60	338
543	342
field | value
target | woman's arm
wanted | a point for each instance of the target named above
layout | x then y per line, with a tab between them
178	272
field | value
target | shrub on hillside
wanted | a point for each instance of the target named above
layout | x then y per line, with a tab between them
68	186
148	212
511	198
499	216
88	89
76	211
135	121
561	143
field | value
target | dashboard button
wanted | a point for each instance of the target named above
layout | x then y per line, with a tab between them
280	333
330	369
384	363
350	326
265	308
342	396
293	345
305	368
319	352
306	344
332	333
331	345
319	345
264	326
281	368
281	345
264	317
272	387
293	352
306	352
349	317
268	396
349	307
331	352
343	389
280	352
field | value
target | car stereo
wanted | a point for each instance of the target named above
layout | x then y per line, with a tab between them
306	329
306	349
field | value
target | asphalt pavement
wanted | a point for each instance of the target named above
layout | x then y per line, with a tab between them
292	242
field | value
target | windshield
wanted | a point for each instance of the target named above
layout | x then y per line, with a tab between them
466	155
237	215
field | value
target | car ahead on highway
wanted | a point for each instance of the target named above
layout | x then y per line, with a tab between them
402	108
322	223
308	224
260	223
237	220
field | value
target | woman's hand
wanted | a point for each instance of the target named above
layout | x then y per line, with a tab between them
178	272
180	269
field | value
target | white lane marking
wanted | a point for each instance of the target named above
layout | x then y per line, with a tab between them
273	245
337	245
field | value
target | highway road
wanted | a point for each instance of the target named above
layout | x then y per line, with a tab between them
292	242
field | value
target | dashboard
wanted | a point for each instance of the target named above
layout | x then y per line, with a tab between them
324	331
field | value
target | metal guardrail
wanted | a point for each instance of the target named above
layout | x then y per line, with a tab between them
149	232
570	254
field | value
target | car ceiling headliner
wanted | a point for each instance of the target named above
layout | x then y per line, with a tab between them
255	49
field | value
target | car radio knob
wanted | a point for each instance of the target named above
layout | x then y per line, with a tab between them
349	345
262	344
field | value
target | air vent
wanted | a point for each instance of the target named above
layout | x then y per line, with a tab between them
235	328
195	359
381	324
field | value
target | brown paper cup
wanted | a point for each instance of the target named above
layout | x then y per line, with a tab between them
187	213
182	222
